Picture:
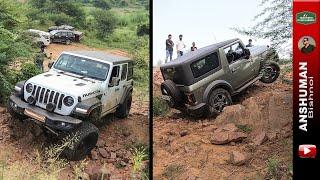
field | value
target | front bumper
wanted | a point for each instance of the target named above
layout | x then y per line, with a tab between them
50	120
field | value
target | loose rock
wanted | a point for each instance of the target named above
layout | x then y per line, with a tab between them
113	155
236	136
100	143
220	138
94	155
103	152
183	133
2	110
272	136
260	138
238	158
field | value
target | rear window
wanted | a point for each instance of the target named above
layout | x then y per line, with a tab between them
204	65
175	74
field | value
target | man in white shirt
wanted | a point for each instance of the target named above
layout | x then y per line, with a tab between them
180	46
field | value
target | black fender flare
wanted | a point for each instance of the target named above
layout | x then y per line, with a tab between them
20	85
216	84
127	91
88	105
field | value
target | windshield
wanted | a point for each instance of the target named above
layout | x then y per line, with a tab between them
82	66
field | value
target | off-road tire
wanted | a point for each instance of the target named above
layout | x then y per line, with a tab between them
14	114
95	116
169	88
87	136
68	42
124	108
218	99
274	74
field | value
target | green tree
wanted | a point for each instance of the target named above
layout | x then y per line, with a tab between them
38	3
103	4
12	43
274	22
105	22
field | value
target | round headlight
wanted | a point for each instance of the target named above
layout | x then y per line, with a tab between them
68	101
29	88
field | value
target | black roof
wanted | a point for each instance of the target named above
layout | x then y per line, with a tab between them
100	55
192	55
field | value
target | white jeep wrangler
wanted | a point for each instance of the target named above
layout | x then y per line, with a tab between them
80	88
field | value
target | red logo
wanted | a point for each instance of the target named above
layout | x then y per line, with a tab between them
307	151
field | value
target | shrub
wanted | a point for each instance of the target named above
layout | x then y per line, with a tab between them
140	17
60	19
103	4
28	70
141	52
143	29
273	167
105	22
160	106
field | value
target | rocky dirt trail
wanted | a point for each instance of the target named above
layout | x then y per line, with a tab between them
112	157
252	139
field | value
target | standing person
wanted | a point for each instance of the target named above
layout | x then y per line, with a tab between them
180	46
169	48
50	57
193	47
250	43
42	46
39	60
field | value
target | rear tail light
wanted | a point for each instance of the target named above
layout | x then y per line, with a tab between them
190	98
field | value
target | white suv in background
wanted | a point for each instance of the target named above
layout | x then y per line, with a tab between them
40	37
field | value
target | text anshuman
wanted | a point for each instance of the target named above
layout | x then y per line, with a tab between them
305	97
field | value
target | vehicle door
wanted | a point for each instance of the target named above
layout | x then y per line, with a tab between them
239	65
64	37
71	36
123	81
113	91
57	37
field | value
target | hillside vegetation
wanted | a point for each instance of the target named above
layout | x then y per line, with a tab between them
105	23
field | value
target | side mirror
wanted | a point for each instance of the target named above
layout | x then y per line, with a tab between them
114	81
50	65
247	53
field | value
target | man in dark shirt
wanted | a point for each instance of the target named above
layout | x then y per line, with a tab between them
39	60
193	47
307	47
169	48
250	43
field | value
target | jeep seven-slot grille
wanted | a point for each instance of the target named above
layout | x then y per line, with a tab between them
45	96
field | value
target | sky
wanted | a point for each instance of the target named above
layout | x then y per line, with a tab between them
204	22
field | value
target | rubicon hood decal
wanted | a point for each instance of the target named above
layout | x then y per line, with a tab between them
91	93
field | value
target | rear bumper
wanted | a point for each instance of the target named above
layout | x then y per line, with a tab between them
193	109
199	108
51	120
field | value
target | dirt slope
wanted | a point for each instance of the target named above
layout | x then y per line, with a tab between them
20	142
185	148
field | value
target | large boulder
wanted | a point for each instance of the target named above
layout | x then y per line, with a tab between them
230	114
278	104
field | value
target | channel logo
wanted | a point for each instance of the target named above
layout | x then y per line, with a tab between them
307	151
